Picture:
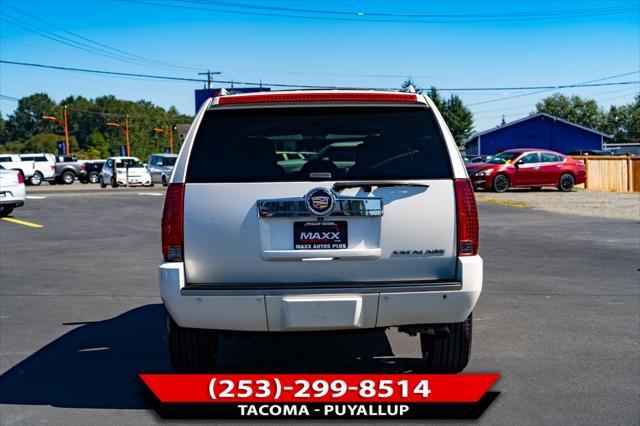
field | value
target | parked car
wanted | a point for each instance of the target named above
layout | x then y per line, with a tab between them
342	154
291	160
477	159
68	168
160	167
92	171
127	171
592	152
14	162
12	192
249	246
529	168
45	165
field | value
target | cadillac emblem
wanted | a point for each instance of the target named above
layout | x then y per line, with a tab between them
320	201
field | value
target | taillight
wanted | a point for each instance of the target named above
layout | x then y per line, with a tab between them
20	178
82	166
172	223
468	229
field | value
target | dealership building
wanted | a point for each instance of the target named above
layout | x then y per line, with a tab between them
542	131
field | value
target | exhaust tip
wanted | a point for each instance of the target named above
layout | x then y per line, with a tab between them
441	332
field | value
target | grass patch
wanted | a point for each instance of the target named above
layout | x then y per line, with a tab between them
507	203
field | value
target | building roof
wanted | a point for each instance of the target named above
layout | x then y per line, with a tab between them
475	135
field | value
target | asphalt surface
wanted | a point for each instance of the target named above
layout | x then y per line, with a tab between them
80	316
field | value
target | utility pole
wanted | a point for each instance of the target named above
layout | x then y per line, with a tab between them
171	138
66	131
209	75
126	130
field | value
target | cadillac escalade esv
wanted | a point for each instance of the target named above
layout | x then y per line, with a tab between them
380	232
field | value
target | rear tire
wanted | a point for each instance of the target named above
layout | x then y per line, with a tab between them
36	179
5	211
191	350
449	355
566	182
500	183
94	177
164	181
68	178
114	182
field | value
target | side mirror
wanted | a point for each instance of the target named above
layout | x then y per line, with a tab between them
518	163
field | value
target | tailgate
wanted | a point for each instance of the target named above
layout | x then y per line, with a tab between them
225	240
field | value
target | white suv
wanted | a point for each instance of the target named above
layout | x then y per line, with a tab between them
387	239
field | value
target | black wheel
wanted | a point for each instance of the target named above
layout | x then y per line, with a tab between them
94	177
191	350
164	181
451	354
5	210
114	182
102	184
68	177
500	183
36	179
566	182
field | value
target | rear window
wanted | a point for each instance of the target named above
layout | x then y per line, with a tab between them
321	143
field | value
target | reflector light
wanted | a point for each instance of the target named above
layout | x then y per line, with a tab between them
317	97
20	178
467	218
172	223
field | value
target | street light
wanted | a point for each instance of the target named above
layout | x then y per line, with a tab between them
126	131
63	124
169	134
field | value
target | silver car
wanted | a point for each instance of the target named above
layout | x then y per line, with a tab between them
161	166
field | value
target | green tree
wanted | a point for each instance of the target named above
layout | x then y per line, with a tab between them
459	118
623	122
434	95
576	109
409	82
27	120
4	137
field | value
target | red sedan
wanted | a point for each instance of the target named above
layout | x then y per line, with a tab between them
528	168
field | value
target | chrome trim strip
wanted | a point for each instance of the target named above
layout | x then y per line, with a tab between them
296	207
258	289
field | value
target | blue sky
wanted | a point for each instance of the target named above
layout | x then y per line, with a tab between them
536	43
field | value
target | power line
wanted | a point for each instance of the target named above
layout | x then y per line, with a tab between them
395	15
93	46
359	16
595	96
590	83
306	86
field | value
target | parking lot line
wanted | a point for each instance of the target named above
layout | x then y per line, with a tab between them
22	222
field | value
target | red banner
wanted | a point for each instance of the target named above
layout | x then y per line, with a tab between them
327	388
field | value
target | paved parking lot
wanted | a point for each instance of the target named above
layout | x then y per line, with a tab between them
80	316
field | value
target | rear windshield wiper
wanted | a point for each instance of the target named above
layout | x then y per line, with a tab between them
368	184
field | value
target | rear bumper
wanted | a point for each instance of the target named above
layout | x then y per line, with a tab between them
308	309
12	195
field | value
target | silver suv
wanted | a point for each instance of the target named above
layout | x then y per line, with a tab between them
386	239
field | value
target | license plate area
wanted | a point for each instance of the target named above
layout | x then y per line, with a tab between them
320	235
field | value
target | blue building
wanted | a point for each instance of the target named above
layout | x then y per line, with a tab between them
541	131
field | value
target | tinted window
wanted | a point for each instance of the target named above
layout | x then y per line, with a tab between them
129	162
169	161
5	159
503	158
352	143
531	157
547	157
